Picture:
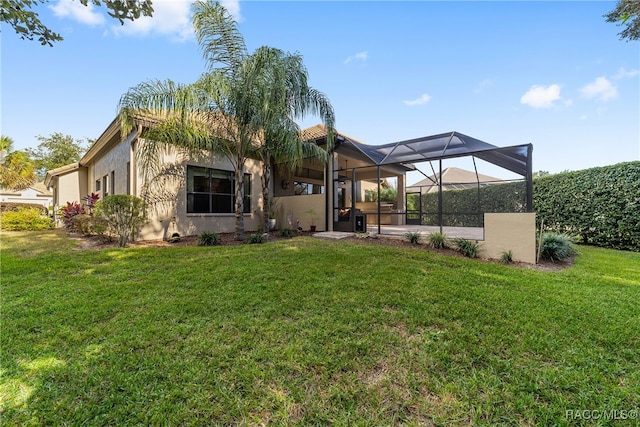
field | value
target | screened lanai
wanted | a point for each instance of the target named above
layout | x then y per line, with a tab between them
373	166
364	187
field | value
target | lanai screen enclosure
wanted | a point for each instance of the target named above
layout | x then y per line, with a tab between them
354	162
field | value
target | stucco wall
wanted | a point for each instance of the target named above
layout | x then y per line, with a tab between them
168	214
72	187
515	232
115	160
296	206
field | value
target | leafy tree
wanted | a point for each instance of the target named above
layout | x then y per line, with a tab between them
627	13
26	23
17	171
55	151
243	107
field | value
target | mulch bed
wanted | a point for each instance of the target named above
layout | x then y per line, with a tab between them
228	239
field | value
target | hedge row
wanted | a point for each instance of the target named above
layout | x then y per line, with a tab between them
601	205
464	208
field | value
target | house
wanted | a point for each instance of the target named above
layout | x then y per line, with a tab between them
35	194
453	179
189	195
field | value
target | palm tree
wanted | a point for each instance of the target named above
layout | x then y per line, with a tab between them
6	146
16	168
284	97
17	171
243	107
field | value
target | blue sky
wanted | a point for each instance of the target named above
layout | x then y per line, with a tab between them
554	74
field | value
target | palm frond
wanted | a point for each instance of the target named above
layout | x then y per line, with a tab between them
218	36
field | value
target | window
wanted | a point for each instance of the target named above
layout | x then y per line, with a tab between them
303	188
104	186
97	185
213	191
113	182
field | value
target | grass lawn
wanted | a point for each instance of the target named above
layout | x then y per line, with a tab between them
311	332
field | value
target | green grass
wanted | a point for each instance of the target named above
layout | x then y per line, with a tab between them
310	332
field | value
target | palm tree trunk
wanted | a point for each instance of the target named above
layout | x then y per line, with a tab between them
266	199
239	204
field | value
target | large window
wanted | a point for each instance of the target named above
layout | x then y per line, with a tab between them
213	191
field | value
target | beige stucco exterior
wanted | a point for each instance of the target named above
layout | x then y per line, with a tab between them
297	208
112	160
169	215
515	232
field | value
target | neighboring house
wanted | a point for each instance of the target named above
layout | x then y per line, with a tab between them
453	179
36	194
193	195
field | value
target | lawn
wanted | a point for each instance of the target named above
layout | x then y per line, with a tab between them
312	332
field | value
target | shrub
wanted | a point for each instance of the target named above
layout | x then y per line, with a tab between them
466	247
123	214
286	232
69	211
87	224
413	237
437	240
25	219
605	213
209	238
15	206
506	256
255	238
91	201
556	247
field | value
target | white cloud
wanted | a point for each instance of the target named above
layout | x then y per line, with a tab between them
541	96
423	99
601	89
170	18
360	56
76	11
624	74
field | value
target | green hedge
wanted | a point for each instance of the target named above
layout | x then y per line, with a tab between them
601	205
465	208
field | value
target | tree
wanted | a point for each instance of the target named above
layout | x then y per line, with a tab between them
26	23
6	146
17	171
627	13
16	168
54	151
243	107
